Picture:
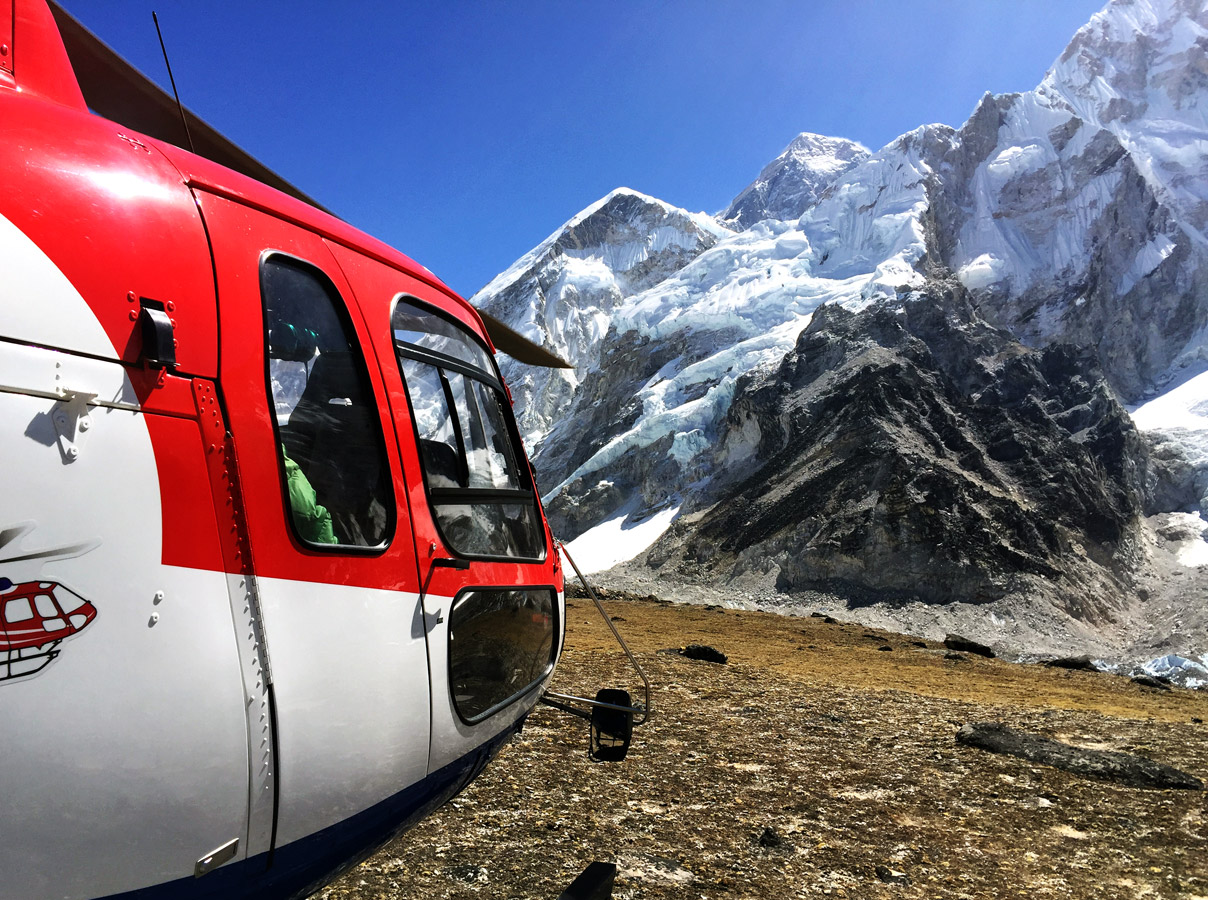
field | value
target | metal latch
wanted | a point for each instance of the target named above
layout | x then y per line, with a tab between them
72	421
159	345
216	858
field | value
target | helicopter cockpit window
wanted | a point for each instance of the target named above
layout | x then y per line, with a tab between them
332	454
477	478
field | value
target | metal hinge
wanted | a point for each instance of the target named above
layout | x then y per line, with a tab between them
72	421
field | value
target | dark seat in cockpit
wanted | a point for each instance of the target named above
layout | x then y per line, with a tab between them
334	436
442	465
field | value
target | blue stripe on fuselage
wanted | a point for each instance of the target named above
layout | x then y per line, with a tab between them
302	867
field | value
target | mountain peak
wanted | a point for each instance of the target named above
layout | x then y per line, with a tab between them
795	179
619	204
562	293
1137	70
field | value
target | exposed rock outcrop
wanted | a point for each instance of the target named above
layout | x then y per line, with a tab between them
921	453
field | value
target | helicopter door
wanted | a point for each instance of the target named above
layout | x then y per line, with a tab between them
482	543
328	527
489	608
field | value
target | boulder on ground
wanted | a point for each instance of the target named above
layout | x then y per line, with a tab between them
1122	768
1076	663
703	652
964	645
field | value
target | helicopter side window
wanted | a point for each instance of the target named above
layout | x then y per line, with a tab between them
478	483
333	463
501	643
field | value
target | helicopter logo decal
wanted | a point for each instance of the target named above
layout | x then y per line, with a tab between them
37	616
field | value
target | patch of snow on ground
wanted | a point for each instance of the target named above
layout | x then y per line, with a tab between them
1194	553
614	541
1181	416
1179	669
982	272
1148	258
1015	161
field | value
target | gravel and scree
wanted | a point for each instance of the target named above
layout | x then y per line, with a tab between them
819	760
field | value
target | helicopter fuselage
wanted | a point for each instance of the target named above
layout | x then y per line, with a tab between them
264	500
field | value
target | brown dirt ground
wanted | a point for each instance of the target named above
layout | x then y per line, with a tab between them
844	750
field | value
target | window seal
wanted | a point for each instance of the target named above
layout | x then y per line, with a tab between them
463	467
440	361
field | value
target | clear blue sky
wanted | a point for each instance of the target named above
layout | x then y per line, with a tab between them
463	133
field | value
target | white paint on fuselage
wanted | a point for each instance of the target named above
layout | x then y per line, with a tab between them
350	671
125	759
451	737
37	302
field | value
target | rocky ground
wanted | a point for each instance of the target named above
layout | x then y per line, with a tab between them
820	760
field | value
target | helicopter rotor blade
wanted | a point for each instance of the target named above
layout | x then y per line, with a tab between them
519	347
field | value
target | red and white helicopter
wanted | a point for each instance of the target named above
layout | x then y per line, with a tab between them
275	581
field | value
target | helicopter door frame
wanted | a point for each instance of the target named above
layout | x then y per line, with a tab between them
341	622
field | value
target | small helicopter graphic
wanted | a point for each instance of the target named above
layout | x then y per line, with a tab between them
36	616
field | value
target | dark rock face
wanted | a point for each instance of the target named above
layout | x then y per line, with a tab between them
918	452
1124	768
607	404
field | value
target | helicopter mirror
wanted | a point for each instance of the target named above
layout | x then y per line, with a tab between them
611	729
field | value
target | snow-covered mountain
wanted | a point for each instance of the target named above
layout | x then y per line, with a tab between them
1072	214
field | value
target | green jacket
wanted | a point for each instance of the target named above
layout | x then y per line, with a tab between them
312	520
